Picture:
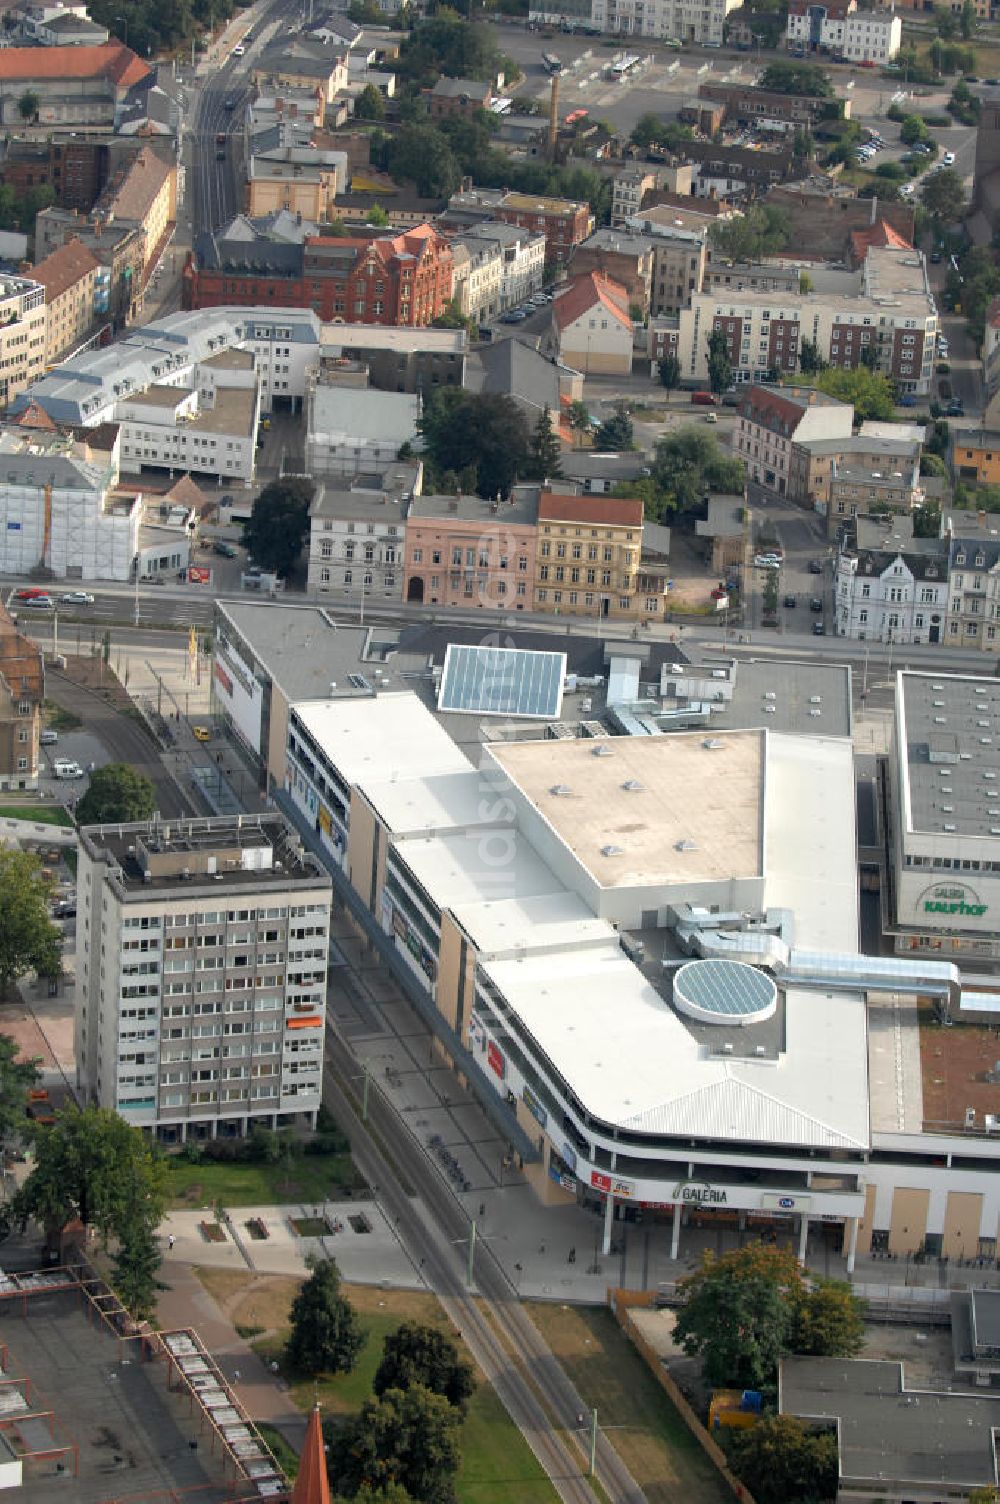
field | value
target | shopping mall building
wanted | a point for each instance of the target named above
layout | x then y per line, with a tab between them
643	953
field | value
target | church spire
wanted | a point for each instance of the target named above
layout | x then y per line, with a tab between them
312	1486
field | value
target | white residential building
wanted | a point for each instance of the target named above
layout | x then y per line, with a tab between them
211	432
523	259
861	36
60	508
354	429
477	278
974	590
86	390
886	307
685	20
356	535
202	949
890	586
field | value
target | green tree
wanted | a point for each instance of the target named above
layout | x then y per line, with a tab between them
871	393
578	418
17	1077
418	1354
454	318
406	1436
136	1263
377	216
93	1165
945	22
481	438
369	104
829	1321
687	464
913	130
116	792
797	78
29	105
761	231
967	20
810	359
932	464
279	524
943	197
326	1335
781	1462
669	369
617	431
805	283
738	1313
653	130
544	453
720	370
29	941
420	155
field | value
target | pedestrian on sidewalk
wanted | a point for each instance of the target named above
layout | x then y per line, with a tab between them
171	1240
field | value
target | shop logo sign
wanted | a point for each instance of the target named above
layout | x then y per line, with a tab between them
698	1193
953	898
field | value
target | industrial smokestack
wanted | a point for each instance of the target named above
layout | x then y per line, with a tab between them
553	116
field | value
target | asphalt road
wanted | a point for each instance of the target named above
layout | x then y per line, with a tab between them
435	1231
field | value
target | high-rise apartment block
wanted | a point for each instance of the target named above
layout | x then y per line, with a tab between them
202	953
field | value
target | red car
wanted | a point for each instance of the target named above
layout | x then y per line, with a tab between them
704	399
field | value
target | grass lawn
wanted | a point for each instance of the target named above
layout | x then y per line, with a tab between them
498	1466
44	814
59	719
283	1453
644	1428
309	1178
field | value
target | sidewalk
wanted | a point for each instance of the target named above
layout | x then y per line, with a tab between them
185	1302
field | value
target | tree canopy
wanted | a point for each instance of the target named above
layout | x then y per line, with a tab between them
369	104
720	370
404	1436
478	441
279	524
17	1076
326	1335
116	792
93	1165
761	231
654	130
686	464
743	1311
669	369
420	155
544	453
943	196
135	1265
782	1462
418	1354
871	393
29	941
617	431
796	78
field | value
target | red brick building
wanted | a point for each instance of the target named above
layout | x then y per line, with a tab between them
370	279
563	222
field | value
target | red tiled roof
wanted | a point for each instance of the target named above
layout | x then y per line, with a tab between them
593	290
34	416
64	267
878	234
20	661
614	511
50	64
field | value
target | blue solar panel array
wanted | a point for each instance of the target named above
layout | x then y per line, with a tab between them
502	681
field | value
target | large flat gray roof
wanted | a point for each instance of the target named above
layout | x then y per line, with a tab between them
949	725
890	1434
303	649
804	699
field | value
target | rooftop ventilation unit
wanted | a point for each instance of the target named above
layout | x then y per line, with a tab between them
602	750
713	744
940	720
939	704
685	846
947	809
815	712
759	1051
770	709
989	773
815	699
612	851
949	828
632	786
560	790
769	694
937	686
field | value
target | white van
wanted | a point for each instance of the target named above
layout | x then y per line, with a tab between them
64	769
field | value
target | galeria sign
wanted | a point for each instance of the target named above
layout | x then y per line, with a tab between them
953	898
699	1192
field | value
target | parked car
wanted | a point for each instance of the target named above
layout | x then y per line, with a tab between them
48	737
766	561
815	566
39	603
201	733
789	601
949	159
955	408
711	417
29	592
62	768
704	399
908	401
936	258
77	598
224	549
816	604
819	629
